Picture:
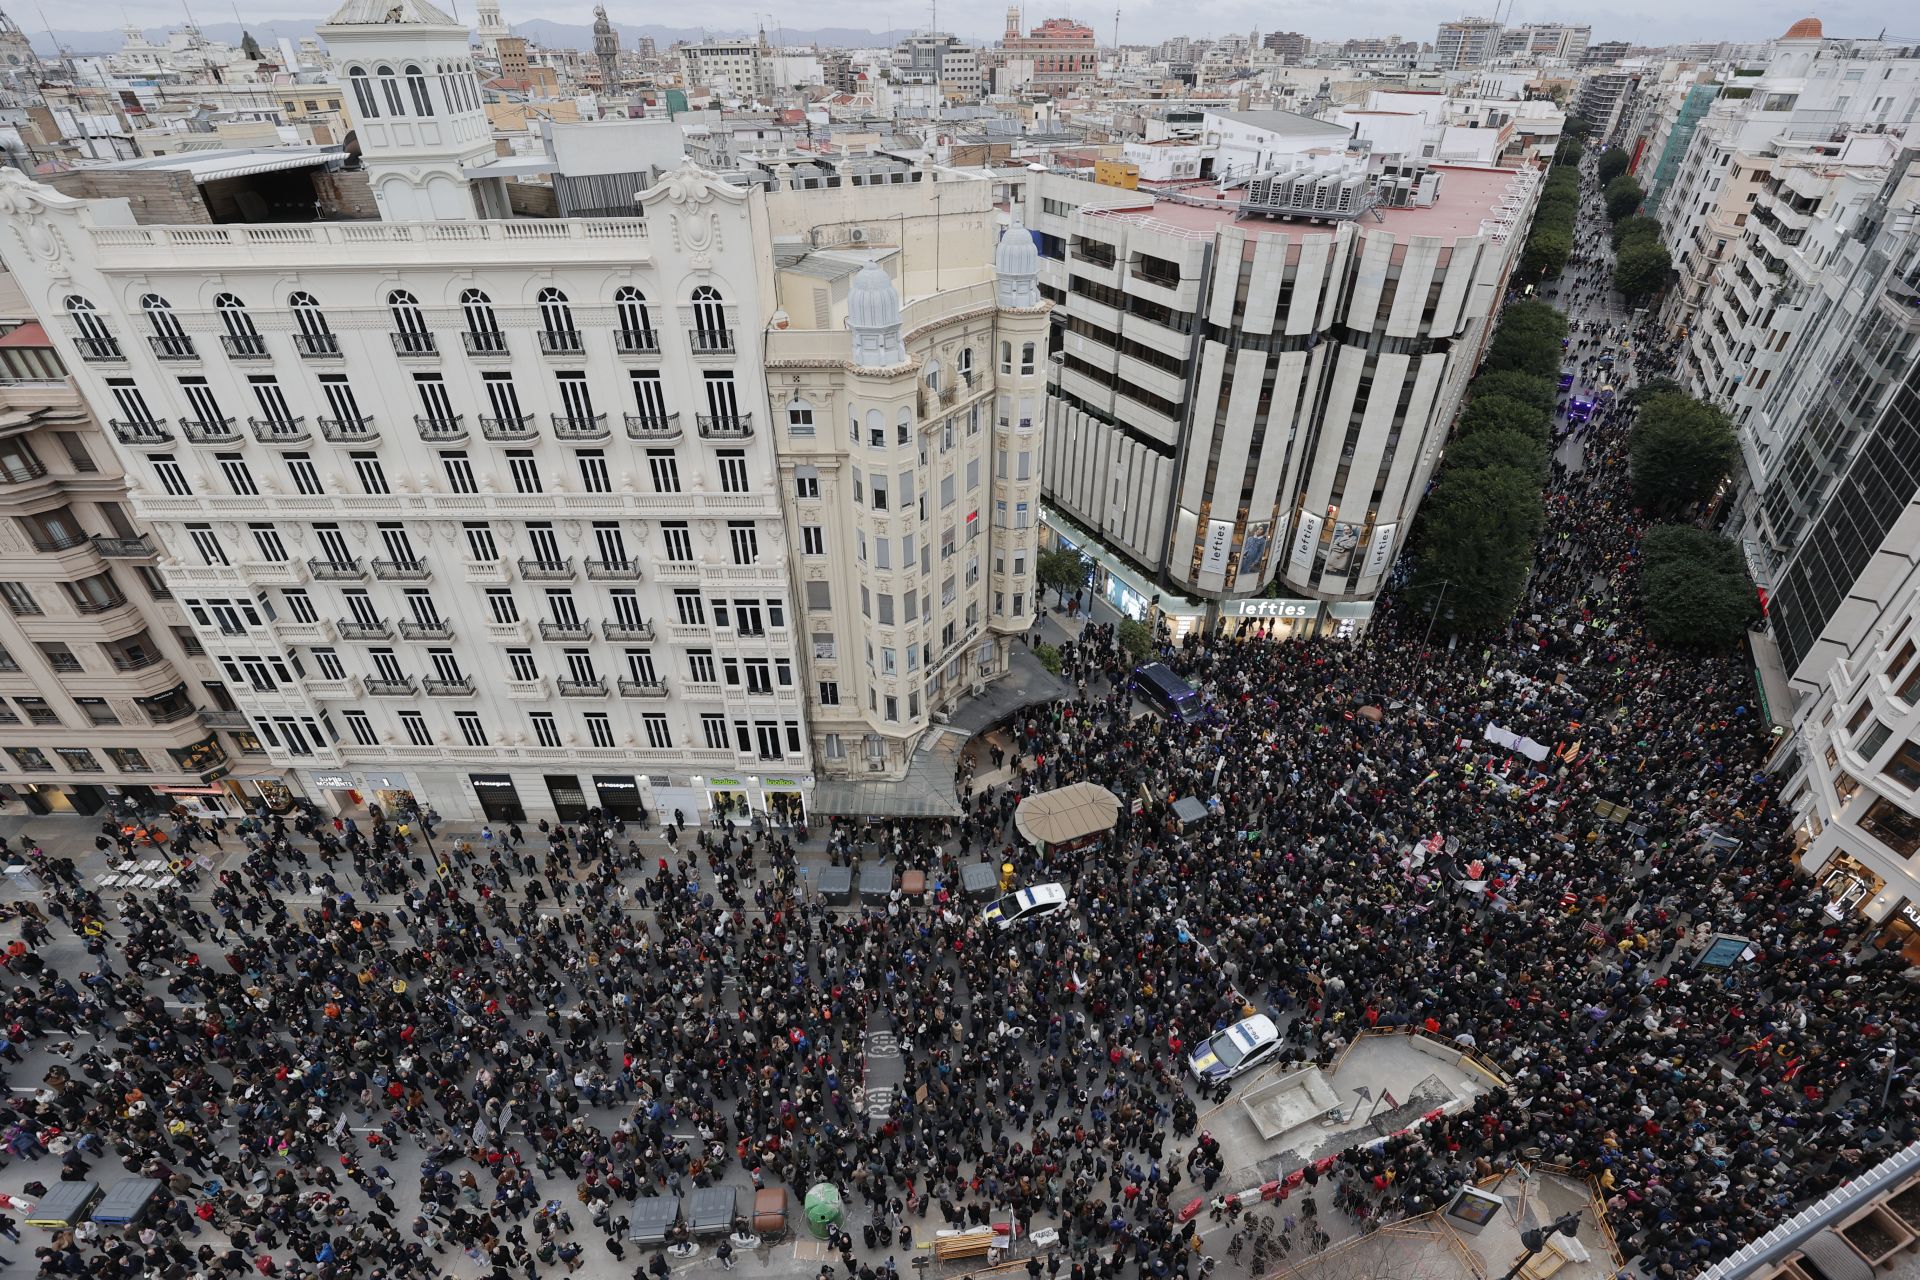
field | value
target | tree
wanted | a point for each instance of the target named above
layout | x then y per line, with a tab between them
1642	270
1576	126
1500	448
1680	449
1612	163
1136	639
1634	228
1500	413
1684	543
1541	393
1692	605
1062	571
1623	198
1478	529
1653	387
1529	339
1049	657
1569	151
1546	251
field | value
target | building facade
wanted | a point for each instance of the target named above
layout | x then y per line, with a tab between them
1253	393
1064	53
1468	42
738	66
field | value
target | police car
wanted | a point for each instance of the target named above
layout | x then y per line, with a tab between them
1240	1048
1026	904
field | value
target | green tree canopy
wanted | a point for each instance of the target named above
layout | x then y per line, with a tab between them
1542	393
1680	450
1569	151
1500	448
1503	413
1642	270
1692	605
1668	543
1478	530
1653	387
1546	252
1061	571
1136	638
1612	163
1576	126
1623	198
1634	228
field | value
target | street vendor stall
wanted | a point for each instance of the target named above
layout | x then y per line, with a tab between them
1067	818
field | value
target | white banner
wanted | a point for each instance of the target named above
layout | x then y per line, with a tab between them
1380	551
1514	742
1219	545
1306	537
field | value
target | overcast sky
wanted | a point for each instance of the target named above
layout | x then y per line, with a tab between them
1636	21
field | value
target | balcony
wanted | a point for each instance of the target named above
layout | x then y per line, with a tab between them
546	570
515	632
636	342
534	690
731	426
561	342
277	431
93	607
508	429
708	343
663	430
349	430
413	345
55	543
576	630
401	688
621	631
442	430
22	471
127	662
245	346
166	715
411	630
569	427
354	629
485	342
595	688
348	570
402	570
221	718
140	548
209	430
487	572
317	346
99	350
347	687
172	346
614	570
630	688
461	688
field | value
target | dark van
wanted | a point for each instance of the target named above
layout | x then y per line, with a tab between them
1173	697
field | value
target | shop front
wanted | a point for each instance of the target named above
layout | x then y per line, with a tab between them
620	797
728	798
1125	587
340	791
1901	931
1849	885
568	796
499	798
786	803
1269	619
251	790
388	794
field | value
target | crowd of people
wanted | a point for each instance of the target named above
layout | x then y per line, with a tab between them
555	1024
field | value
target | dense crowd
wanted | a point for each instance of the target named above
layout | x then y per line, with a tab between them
567	1021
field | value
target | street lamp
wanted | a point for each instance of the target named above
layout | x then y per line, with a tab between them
1535	1239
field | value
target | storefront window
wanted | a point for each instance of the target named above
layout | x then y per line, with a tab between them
1904	768
79	759
128	760
246	742
202	756
31	759
1892	826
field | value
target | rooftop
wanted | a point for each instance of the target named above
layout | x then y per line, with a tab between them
1290	122
1468	197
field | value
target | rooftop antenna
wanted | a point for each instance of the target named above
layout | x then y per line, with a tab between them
1116	37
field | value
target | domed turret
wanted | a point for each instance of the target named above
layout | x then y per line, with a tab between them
1017	264
1805	29
873	313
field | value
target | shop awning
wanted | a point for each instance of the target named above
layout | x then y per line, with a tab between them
884	800
1066	814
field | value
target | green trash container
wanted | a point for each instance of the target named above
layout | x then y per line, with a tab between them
824	1210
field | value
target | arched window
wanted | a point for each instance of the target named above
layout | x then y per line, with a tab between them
965	363
363	99
241	337
710	321
95	339
315	336
799	417
417	90
556	322
483	326
1026	357
170	341
636	321
390	89
410	335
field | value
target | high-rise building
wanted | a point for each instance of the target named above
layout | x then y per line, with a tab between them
1065	53
1605	54
1466	42
940	58
1603	99
1214	429
1290	45
737	66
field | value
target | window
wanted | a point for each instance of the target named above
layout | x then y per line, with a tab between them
877	492
649	399
410	333
664	469
95	340
271	397
422	102
813	540
37	711
129	760
169	339
556	322
300	469
299	605
76	451
713	730
1026	357
745	540
435	405
546	731
483	326
267	541
689	607
700	666
344	407
365	104
207	544
459	472
679	541
1884	820
133	404
203	406
327	661
471	731
501	607
806	482
480	543
172	479
239	477
361	727
710	321
521	666
593	471
767	736
635	322
58	656
526	475
97	711
366	468
599	728
829	693
315	336
242	338
659	736
799	418
30	759
416	729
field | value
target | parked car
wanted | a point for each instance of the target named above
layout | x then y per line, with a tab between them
1235	1050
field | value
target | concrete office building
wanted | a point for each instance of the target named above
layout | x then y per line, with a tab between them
484	487
941	59
104	689
1253	386
1468	42
740	68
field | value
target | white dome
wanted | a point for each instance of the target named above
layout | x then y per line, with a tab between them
1016	261
873	313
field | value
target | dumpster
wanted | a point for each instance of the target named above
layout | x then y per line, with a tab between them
913	883
876	882
824	1211
651	1218
770	1213
710	1211
66	1204
980	880
836	886
130	1201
